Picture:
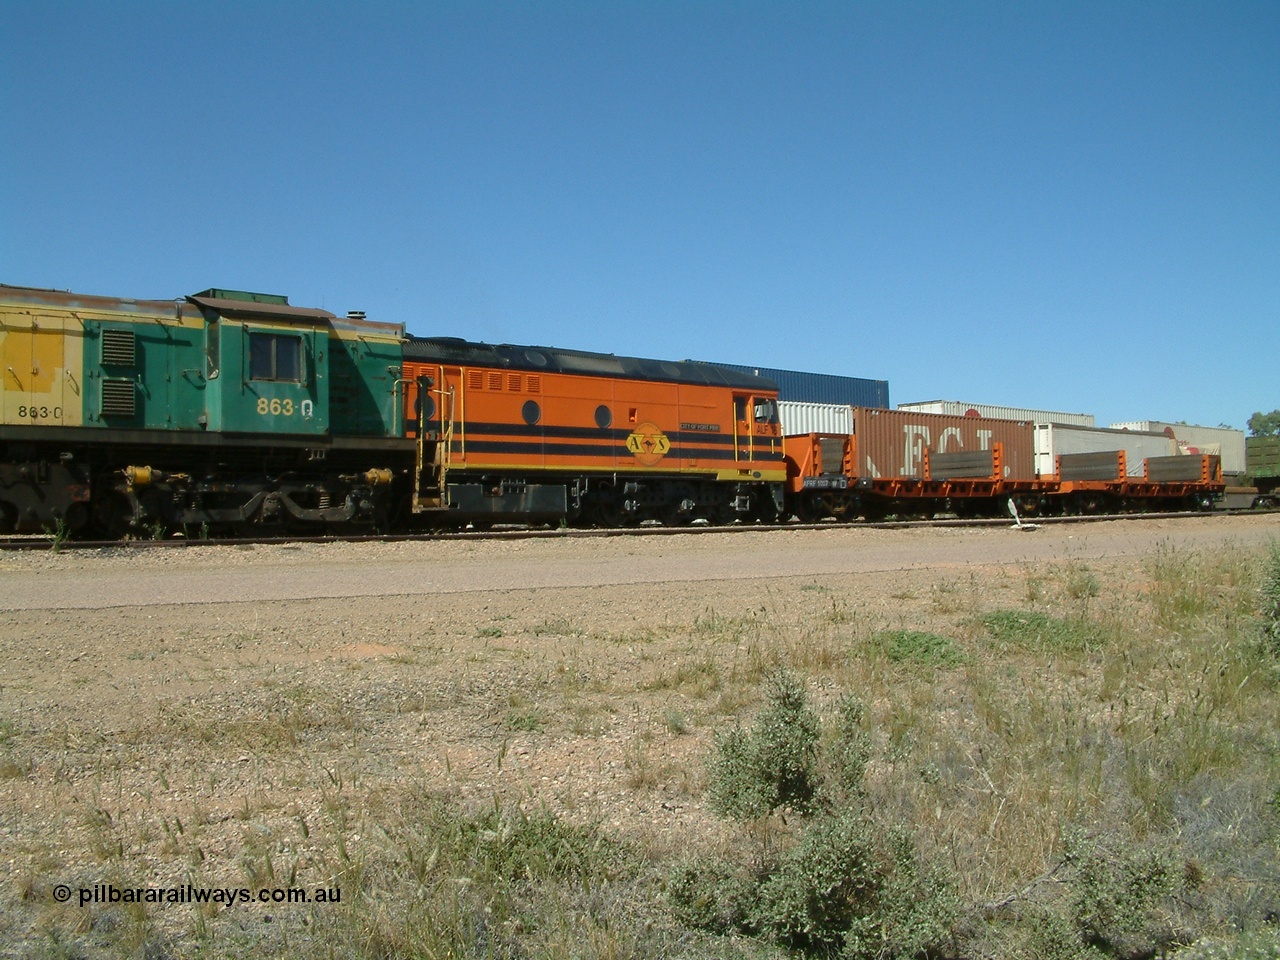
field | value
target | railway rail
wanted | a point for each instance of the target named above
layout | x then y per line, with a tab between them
35	542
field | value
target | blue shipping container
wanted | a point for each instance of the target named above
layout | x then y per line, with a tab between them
819	387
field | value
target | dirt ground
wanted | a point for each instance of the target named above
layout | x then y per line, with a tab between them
145	694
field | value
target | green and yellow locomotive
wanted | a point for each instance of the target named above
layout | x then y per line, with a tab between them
217	412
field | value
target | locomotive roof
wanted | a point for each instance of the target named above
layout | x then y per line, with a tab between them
556	360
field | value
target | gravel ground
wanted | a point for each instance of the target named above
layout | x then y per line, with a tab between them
378	571
236	687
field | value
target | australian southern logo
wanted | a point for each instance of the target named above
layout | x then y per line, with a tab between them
648	444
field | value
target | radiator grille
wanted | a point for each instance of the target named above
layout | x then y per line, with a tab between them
118	348
832	452
118	398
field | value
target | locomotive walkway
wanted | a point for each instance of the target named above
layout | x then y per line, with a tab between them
122	577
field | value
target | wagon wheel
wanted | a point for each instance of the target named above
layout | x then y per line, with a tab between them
805	509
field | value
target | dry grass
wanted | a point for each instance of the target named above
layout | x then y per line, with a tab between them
478	794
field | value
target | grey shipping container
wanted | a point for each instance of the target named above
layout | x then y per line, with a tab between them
1192	439
799	418
891	443
958	408
818	387
1053	439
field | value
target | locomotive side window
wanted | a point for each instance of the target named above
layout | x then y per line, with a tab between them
212	348
275	356
766	410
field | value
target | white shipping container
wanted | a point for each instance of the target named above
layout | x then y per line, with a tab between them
800	417
1227	443
957	408
1055	439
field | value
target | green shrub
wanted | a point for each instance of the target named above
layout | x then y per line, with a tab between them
752	773
849	886
916	910
1270	605
822	885
1262	945
848	753
1118	892
711	895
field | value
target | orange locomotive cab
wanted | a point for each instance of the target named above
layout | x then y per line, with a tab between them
535	433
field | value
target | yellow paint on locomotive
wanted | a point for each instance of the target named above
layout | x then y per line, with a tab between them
41	368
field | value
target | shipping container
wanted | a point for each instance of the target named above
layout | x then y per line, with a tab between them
1263	460
892	443
1192	439
819	387
1055	439
799	418
958	408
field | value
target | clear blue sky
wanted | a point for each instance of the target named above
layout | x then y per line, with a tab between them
1072	206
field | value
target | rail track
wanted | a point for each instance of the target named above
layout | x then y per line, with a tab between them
34	542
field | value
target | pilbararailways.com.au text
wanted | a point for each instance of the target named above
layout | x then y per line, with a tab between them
108	893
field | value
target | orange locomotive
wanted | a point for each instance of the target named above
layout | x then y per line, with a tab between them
536	433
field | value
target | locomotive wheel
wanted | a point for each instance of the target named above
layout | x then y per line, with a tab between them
112	515
608	508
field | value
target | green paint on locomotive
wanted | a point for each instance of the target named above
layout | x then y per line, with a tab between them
365	386
223	362
142	374
266	378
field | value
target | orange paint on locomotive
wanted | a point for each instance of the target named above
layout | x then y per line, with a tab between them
498	420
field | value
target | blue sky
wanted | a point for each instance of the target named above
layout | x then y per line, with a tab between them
1072	206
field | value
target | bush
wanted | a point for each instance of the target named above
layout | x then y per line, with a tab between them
847	887
1270	603
752	773
847	754
1118	893
1263	945
712	895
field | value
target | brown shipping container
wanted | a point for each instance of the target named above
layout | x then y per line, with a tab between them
891	443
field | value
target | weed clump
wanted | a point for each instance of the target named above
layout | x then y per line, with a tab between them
1040	632
755	772
1269	608
846	885
916	646
1118	893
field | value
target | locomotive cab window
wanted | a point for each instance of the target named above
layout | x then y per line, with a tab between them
766	410
274	356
